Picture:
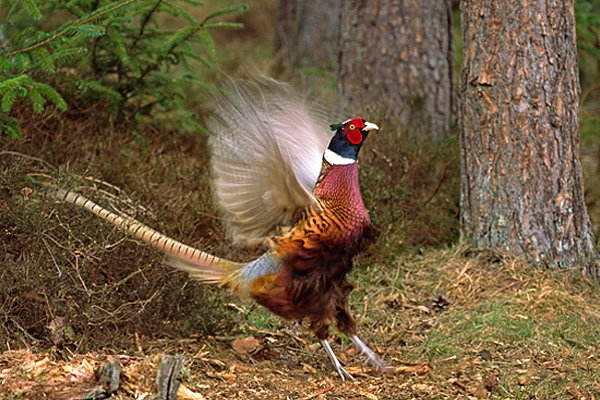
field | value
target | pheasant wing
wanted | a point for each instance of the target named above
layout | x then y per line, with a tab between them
267	146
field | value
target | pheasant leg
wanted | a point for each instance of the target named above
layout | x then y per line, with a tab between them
336	363
372	358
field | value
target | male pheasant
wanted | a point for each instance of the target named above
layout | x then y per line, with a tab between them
282	181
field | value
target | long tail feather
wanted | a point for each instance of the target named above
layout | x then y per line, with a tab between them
201	266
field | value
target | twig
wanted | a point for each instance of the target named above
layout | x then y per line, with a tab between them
294	336
52	256
21	329
66	30
104	183
505	287
77	255
321	391
17	154
114	313
56	242
439	185
143	25
267	333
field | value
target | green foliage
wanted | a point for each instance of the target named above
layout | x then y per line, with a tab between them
587	16
110	51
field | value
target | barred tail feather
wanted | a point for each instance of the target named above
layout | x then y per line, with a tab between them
218	272
201	266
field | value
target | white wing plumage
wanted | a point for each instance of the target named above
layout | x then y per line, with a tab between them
267	146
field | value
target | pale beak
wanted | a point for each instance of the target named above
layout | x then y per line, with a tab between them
370	127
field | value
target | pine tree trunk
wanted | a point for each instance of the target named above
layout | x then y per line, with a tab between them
307	34
396	58
522	187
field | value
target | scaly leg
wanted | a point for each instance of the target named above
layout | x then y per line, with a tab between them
372	358
336	363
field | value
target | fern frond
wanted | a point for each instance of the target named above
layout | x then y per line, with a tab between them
194	3
98	87
178	37
21	62
23	36
202	61
11	83
73	7
104	12
119	46
8	99
5	64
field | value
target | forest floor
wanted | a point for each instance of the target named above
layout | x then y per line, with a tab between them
508	333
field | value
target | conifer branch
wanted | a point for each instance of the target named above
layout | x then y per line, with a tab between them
68	27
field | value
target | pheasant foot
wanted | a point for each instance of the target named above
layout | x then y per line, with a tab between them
372	358
336	363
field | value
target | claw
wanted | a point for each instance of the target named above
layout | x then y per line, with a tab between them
372	358
336	363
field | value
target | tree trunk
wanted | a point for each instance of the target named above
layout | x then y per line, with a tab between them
522	183
396	58
307	34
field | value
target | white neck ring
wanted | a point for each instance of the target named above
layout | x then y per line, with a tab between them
335	159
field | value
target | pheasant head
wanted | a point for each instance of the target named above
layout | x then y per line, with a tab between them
347	141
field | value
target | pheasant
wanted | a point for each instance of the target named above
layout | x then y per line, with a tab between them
283	181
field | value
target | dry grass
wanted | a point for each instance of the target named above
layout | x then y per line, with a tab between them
60	262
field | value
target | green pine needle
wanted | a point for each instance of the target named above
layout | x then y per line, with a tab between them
116	52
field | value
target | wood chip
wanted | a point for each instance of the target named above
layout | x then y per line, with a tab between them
185	393
244	345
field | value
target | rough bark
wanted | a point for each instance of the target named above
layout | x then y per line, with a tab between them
308	34
396	57
522	183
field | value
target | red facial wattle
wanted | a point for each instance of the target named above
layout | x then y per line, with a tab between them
352	129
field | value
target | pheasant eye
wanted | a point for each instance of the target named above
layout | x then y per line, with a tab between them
352	129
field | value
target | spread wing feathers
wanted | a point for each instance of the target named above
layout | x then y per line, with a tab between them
267	146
